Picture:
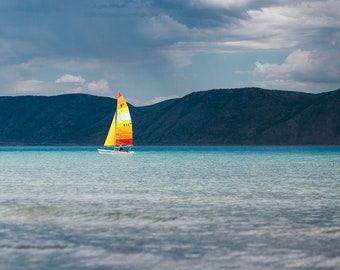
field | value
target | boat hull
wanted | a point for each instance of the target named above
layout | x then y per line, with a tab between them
114	152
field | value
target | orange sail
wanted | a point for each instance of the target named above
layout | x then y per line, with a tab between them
120	133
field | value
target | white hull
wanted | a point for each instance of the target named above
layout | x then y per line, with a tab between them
114	152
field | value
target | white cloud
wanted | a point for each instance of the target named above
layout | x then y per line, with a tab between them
68	78
275	26
155	100
293	25
303	67
29	87
164	27
45	88
100	87
160	99
226	4
289	26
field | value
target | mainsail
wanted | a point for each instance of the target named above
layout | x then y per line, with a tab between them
120	133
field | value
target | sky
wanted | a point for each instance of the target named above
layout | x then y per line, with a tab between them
152	50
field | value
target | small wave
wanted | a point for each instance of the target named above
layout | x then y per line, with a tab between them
332	231
53	213
119	215
36	212
32	247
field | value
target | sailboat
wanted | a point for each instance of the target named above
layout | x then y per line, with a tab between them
119	138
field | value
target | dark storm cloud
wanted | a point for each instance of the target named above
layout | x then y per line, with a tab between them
38	28
124	29
68	29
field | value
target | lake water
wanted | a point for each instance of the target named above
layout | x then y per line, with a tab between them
170	208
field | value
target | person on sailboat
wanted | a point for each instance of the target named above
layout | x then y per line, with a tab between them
121	149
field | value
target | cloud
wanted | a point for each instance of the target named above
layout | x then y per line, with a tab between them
65	84
226	4
292	25
156	26
79	85
68	78
136	102
100	87
303	67
312	66
164	27
220	27
152	41
29	86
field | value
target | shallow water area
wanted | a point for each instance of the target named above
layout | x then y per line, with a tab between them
170	208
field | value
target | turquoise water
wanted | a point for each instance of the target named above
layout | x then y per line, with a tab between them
170	208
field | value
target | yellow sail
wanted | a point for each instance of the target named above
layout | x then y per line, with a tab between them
111	136
123	123
120	133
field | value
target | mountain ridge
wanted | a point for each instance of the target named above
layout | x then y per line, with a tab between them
244	116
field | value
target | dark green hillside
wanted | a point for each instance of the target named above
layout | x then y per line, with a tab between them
245	116
316	122
67	119
215	117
